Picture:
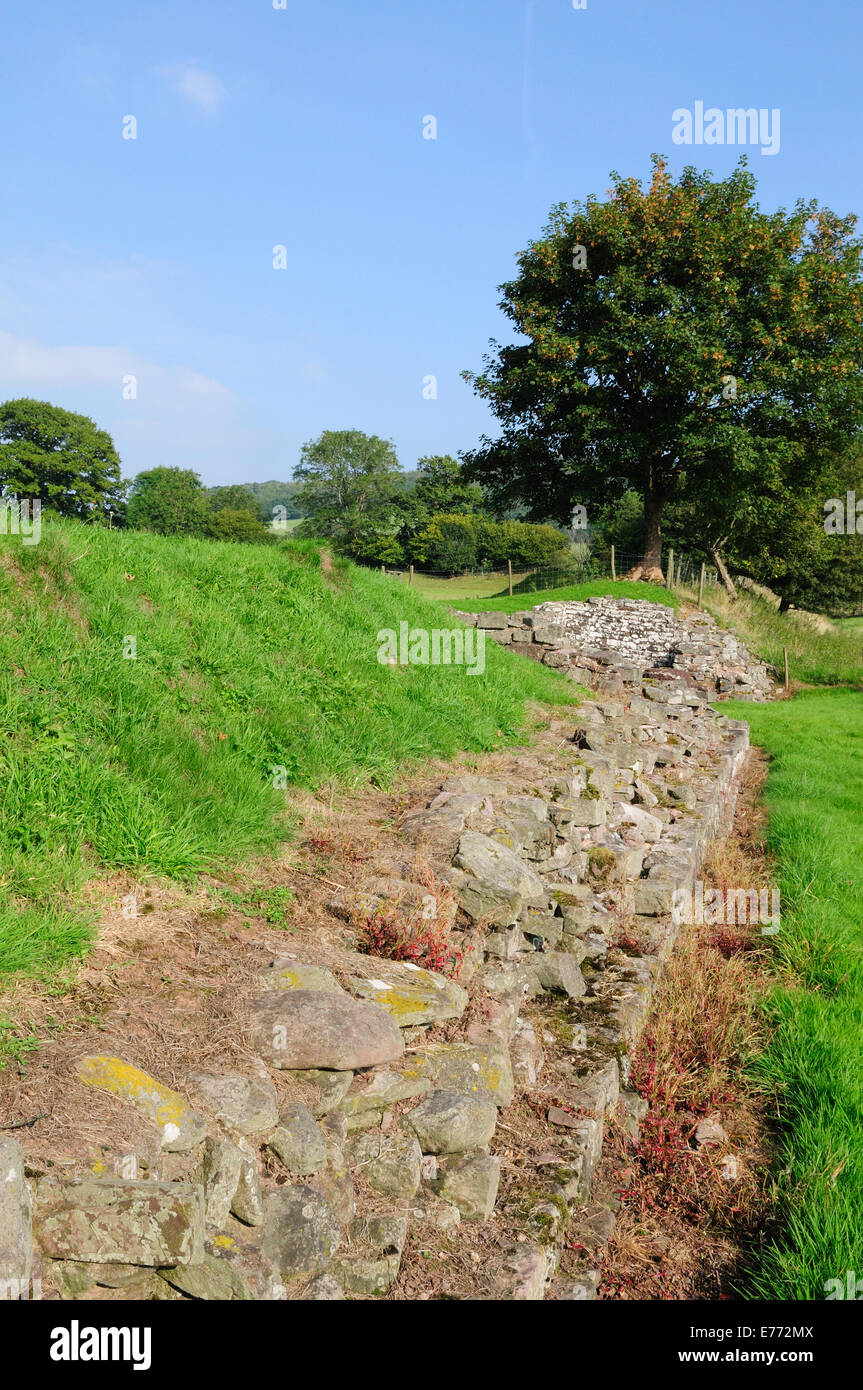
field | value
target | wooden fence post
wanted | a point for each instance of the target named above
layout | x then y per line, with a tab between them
785	655
613	570
701	584
411	576
509	572
670	580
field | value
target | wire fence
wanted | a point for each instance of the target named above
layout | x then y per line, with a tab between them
679	570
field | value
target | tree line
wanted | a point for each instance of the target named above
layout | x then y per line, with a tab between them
688	370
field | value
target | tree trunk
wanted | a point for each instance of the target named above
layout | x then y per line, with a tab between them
723	574
650	566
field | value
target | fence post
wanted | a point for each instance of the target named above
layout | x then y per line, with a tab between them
670	580
509	572
785	655
411	575
613	570
701	584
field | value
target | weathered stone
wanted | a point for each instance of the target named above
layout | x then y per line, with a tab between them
246	1104
526	1056
492	620
332	1087
120	1221
494	1021
384	1233
335	1180
522	1275
298	1141
470	1182
519	807
428	1210
365	1274
16	1222
500	883
300	1231
380	1090
409	994
212	1279
323	1289
504	943
652	897
286	973
248	1201
182	1128
306	1028
219	1174
512	980
582	811
648	827
470	1070
257	1271
448	1122
390	1163
558	971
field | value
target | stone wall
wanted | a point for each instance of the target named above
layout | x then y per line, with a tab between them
564	874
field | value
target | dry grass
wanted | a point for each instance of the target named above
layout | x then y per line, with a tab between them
689	1212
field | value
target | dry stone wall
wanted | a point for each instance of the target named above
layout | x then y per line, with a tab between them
564	879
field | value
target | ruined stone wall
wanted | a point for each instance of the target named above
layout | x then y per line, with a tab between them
602	639
408	1083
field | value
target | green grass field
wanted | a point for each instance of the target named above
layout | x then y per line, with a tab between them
592	588
248	658
813	1066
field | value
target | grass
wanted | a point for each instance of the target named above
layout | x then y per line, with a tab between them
247	659
592	588
831	657
812	1064
464	586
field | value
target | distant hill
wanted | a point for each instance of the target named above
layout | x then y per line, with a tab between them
278	494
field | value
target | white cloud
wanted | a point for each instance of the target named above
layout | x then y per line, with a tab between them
203	89
32	367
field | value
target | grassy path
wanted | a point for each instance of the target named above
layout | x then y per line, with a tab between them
814	1062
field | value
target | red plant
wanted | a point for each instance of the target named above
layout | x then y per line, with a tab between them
391	935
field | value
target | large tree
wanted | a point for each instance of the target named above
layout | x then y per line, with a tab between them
678	341
351	485
61	458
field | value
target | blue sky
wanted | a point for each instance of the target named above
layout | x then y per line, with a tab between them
303	127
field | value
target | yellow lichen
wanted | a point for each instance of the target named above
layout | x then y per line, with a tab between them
120	1078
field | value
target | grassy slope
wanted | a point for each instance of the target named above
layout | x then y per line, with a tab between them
814	1062
248	658
834	657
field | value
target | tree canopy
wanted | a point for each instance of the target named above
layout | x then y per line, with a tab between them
61	458
678	341
168	500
